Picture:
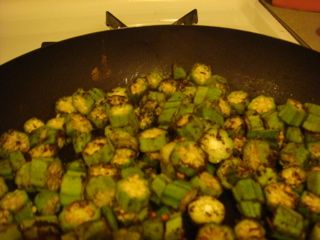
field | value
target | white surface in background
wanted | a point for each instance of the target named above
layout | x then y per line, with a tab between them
24	25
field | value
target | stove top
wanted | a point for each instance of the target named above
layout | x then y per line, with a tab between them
24	25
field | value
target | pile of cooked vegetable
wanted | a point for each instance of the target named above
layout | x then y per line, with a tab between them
170	156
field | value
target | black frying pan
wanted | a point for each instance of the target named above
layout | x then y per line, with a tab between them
29	85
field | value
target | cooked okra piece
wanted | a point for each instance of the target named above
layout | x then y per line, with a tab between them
98	230
117	96
57	123
123	157
188	158
10	231
269	134
309	206
127	234
3	187
315	233
205	94
211	114
47	202
248	190
292	113
206	209
170	108
32	124
153	229
215	231
6	217
40	227
250	209
201	74
235	126
39	172
294	176
47	135
23	177
80	140
101	190
174	228
14	201
99	150
272	121
12	141
77	123
65	105
217	144
110	217
248	229
82	101
207	184
137	88
72	187
238	101
99	116
121	138
123	116
6	170
132	193
294	134
165	163
294	154
312	108
314	149
154	78
262	104
168	86
16	159
159	183
288	223
266	175
178	72
313	181
152	139
256	153
76	213
178	194
254	122
25	213
312	123
189	127
231	170
280	194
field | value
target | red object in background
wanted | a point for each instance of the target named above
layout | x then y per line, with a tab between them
306	5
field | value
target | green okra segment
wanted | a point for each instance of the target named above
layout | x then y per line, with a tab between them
215	231
201	74
248	190
101	190
288	222
47	202
207	184
132	193
178	194
217	144
72	187
152	139
292	113
313	181
188	158
249	229
99	150
206	209
76	213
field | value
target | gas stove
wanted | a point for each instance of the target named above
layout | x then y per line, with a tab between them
24	25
